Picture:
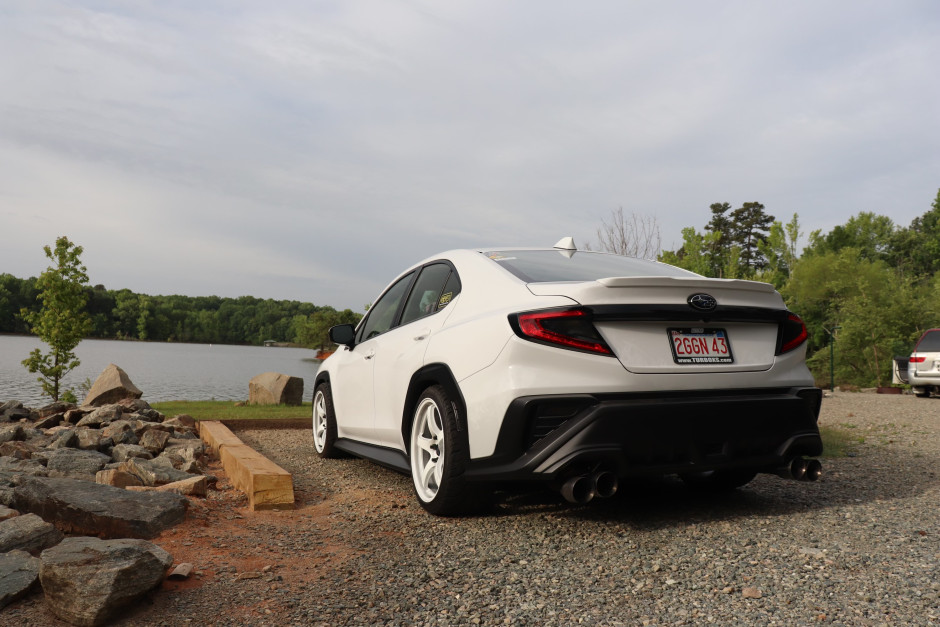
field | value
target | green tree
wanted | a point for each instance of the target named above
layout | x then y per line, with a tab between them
720	243
62	322
916	249
16	294
732	246
751	226
875	320
314	332
879	312
694	253
144	316
869	233
780	252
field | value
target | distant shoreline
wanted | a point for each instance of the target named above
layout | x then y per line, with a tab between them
137	341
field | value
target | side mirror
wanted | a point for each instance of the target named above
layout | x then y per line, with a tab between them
343	334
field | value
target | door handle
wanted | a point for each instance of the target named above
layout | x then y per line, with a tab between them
371	354
422	335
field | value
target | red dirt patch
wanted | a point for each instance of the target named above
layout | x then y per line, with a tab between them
214	534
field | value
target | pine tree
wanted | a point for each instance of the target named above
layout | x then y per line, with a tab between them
751	227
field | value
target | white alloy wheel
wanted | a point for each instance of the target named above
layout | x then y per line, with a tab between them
428	448
319	421
324	422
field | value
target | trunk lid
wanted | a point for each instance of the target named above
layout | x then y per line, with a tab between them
652	329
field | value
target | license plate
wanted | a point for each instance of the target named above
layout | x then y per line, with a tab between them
700	346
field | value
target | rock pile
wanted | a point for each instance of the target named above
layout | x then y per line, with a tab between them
119	472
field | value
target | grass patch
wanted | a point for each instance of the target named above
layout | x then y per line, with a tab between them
838	442
226	410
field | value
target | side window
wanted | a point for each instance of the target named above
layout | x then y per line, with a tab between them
382	313
426	293
451	289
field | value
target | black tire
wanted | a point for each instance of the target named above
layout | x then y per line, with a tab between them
718	480
439	454
324	422
924	393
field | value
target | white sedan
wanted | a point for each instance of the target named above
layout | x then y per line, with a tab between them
476	368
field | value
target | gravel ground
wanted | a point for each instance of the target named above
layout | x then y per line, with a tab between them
859	547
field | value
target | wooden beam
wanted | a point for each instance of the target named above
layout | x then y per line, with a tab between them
267	485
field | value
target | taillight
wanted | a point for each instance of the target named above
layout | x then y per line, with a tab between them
792	333
567	328
917	359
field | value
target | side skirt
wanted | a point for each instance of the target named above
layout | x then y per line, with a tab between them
388	457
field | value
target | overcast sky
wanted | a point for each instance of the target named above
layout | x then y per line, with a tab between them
311	150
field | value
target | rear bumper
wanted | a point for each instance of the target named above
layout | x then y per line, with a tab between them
551	437
923	378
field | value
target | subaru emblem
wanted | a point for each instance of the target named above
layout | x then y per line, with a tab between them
702	302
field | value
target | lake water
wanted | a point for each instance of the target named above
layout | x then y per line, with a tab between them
163	371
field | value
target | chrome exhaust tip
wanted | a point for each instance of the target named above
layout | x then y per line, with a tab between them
578	490
605	484
798	469
813	470
794	469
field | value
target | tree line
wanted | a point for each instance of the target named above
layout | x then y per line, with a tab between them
869	285
123	314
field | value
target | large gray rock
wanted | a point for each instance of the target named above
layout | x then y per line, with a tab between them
19	574
153	472
181	422
18	450
117	478
66	438
134	404
9	433
112	385
73	462
272	388
151	414
11	411
74	416
186	448
105	414
49	421
154	440
88	581
142	427
92	440
121	431
29	533
10	405
22	466
77	506
58	407
38	438
123	452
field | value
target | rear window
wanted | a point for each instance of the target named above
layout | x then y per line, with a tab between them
929	343
543	266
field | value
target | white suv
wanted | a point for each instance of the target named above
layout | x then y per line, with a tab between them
480	368
923	370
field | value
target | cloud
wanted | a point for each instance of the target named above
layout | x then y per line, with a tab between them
312	150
